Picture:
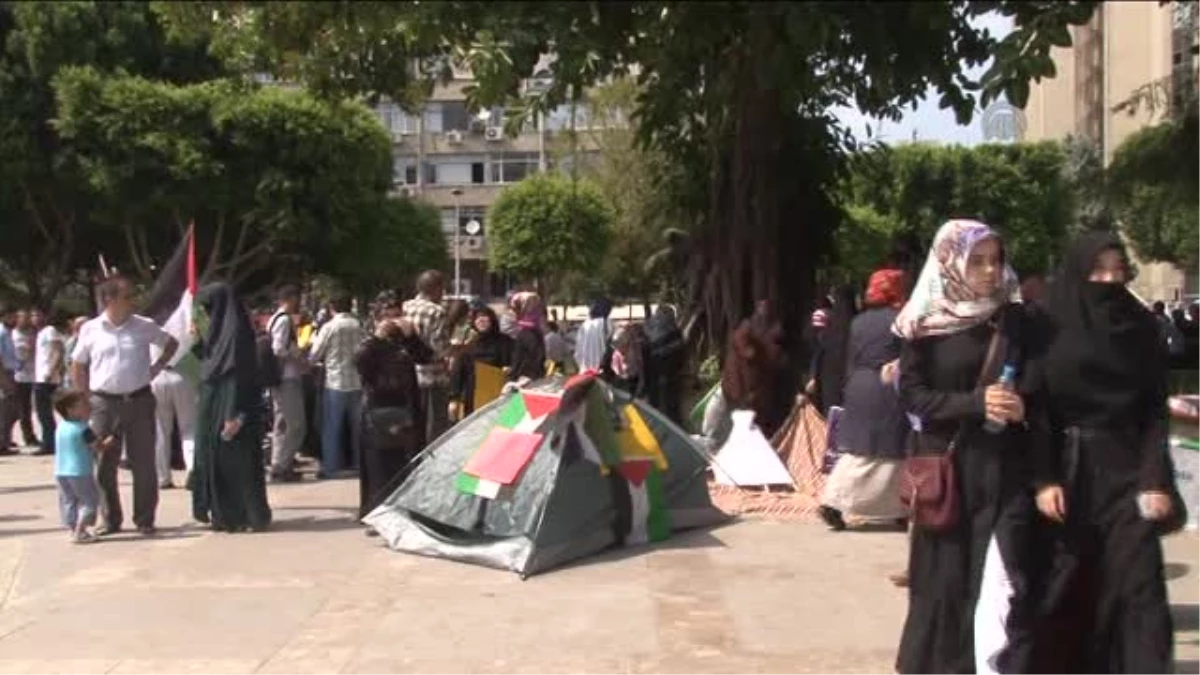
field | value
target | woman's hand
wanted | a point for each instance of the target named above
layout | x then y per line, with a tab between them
890	372
1154	505
1052	502
811	387
1004	405
231	428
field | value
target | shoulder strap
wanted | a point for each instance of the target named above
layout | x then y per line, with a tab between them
991	360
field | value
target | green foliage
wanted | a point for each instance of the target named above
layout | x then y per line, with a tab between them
261	172
1022	190
392	249
49	238
735	94
547	226
1153	177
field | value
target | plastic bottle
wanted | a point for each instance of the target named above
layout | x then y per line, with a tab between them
1008	377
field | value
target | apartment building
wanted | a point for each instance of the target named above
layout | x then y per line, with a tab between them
1127	45
460	162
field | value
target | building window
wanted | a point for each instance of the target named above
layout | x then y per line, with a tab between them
512	167
455	116
404	171
433	117
478	173
465	215
396	120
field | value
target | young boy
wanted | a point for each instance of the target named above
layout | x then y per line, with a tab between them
74	465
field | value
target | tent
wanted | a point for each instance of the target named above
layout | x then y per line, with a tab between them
801	446
747	458
549	474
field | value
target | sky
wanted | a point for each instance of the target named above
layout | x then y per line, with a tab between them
928	121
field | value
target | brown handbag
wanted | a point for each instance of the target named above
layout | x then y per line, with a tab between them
928	486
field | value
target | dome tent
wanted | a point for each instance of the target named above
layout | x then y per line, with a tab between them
549	474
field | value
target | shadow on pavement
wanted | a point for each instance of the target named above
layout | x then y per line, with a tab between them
1176	570
311	524
1188	666
19	517
21	489
691	539
1185	617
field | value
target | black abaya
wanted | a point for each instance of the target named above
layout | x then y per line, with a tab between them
1105	377
938	383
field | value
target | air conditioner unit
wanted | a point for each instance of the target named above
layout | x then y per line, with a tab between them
397	137
494	134
454	137
474	243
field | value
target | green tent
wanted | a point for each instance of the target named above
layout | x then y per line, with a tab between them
552	473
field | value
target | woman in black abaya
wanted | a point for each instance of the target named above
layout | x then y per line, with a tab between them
828	370
964	296
1107	478
228	485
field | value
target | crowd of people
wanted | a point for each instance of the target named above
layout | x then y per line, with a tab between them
1024	442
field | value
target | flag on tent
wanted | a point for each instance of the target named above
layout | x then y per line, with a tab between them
170	302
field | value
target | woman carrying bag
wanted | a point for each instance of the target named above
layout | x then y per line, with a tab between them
968	489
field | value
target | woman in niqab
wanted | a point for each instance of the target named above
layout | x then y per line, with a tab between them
1105	481
228	484
964	298
829	362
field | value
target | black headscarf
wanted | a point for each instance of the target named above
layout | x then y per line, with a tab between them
835	341
1105	353
600	309
228	345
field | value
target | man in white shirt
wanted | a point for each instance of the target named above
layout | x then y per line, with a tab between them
336	345
175	403
24	337
9	364
287	397
47	376
112	363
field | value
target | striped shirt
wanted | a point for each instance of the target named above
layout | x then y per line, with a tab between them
429	318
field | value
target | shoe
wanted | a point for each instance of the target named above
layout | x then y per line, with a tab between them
84	537
202	518
42	452
832	517
166	485
106	530
290	476
10	450
371	532
147	531
898	579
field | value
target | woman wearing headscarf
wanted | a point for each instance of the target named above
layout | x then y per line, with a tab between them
529	344
490	347
228	485
667	359
753	368
591	344
393	422
873	429
829	361
1106	479
960	326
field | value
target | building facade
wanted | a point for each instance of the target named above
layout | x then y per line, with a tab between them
1125	46
460	162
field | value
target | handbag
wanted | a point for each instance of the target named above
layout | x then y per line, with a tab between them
928	486
388	427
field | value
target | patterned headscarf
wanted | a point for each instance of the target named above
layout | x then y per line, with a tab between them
887	288
942	302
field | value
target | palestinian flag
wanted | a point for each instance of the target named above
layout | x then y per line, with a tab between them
649	520
170	302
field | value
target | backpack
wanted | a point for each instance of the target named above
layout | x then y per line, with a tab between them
270	370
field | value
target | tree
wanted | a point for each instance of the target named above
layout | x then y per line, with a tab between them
49	235
1021	190
642	188
735	94
547	226
1154	195
392	249
267	175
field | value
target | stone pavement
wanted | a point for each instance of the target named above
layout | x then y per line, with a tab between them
315	595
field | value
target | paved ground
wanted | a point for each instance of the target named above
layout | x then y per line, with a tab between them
315	595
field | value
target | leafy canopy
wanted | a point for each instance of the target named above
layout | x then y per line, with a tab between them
549	225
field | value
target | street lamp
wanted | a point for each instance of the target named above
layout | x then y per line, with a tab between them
456	193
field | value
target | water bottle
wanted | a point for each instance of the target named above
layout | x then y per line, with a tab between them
1008	377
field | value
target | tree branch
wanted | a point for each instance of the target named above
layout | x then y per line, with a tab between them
218	239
